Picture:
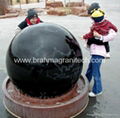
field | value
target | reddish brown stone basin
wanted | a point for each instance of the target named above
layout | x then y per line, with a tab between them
66	106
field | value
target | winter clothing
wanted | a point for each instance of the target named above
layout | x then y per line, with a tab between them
98	19
32	13
97	13
92	7
27	22
102	28
98	42
98	53
98	48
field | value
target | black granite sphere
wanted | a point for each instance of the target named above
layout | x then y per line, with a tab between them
44	60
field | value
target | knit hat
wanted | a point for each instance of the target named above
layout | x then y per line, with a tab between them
92	7
97	15
31	14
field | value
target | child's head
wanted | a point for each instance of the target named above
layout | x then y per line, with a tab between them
92	7
32	16
97	15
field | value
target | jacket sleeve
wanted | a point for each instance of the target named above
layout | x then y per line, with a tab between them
113	27
111	36
23	24
88	35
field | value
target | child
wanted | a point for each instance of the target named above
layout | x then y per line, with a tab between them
31	19
99	29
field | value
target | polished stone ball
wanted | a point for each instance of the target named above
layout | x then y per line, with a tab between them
44	60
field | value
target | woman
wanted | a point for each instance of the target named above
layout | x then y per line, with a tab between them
98	53
31	19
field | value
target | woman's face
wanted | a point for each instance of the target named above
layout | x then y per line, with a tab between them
33	20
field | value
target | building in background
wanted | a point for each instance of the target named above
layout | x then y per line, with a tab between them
13	2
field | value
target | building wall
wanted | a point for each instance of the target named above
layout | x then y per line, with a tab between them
24	1
33	1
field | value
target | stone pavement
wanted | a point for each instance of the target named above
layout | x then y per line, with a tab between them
104	106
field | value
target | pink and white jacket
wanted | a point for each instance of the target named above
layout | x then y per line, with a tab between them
100	49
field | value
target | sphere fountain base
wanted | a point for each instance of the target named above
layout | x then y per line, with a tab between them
67	105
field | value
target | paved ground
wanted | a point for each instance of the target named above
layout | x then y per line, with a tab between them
105	106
